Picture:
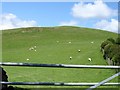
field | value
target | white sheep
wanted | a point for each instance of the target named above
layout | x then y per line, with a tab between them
23	31
70	57
31	48
69	42
35	46
57	41
92	42
89	59
28	59
79	50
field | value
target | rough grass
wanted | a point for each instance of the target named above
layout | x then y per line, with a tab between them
16	44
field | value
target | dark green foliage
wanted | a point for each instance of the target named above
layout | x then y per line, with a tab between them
105	43
118	40
112	50
111	40
108	41
108	50
115	48
116	59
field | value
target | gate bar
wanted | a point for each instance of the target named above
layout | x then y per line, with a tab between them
59	65
57	84
104	81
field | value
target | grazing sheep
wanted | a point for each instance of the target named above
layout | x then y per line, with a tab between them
69	42
28	59
31	48
79	50
92	42
23	31
34	46
70	57
89	59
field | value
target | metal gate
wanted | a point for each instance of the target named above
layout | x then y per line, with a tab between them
92	85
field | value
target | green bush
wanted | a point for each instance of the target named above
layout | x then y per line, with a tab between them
108	50
105	43
112	50
116	59
111	40
118	40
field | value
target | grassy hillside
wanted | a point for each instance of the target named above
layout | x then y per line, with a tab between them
53	47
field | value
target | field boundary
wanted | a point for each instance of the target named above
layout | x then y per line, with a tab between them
93	85
59	65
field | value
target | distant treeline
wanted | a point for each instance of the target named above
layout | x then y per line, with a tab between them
111	50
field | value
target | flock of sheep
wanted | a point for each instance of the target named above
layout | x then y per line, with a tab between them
89	59
34	49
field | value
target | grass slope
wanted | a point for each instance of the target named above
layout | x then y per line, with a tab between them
53	47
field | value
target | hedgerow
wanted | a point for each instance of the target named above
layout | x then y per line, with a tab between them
111	50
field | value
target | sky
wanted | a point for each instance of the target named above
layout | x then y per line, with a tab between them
97	14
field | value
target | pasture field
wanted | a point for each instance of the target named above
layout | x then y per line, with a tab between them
54	45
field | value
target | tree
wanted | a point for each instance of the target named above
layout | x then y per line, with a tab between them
118	40
105	43
111	49
107	50
111	40
116	59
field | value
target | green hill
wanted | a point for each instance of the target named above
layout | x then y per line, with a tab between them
54	45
